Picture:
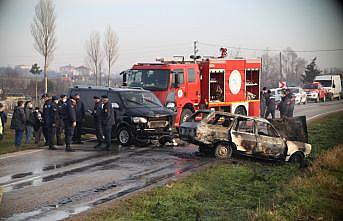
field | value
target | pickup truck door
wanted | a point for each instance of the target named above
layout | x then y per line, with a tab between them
243	135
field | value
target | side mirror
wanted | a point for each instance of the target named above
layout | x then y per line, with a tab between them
115	105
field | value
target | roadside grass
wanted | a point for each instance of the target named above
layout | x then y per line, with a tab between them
248	190
7	143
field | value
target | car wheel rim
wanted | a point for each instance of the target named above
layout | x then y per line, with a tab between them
124	136
222	151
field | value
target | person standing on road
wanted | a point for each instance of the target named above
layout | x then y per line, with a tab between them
28	108
18	123
80	115
282	104
45	116
60	126
96	113
37	114
108	119
271	106
263	101
3	117
53	120
69	121
289	102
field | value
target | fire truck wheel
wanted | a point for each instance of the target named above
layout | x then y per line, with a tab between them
241	110
125	136
186	113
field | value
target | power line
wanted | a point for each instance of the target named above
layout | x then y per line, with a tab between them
275	50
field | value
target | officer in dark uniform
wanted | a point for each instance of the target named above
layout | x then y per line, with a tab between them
80	115
46	119
53	120
69	121
60	126
108	120
96	113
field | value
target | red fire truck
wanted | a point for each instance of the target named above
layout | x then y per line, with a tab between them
231	85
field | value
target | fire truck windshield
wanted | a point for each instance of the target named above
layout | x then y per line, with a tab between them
152	80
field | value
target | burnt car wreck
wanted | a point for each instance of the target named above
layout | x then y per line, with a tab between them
224	133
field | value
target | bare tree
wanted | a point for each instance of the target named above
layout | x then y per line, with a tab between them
94	54
111	49
43	32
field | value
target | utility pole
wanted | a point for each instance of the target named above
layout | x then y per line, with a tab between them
280	67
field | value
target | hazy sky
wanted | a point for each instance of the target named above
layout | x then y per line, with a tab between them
149	29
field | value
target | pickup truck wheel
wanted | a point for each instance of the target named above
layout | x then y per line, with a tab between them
125	136
223	151
185	114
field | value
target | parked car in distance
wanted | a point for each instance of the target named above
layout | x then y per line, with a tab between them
315	92
276	93
299	94
139	115
332	85
223	133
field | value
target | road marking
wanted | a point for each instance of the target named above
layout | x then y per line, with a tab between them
318	115
21	153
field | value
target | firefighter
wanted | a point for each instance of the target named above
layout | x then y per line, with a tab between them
69	121
46	119
263	101
80	115
96	113
271	106
108	119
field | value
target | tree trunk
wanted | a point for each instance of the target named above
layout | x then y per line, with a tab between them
36	91
109	74
45	75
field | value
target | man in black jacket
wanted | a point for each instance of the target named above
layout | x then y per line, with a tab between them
108	120
96	113
18	123
80	115
69	121
53	121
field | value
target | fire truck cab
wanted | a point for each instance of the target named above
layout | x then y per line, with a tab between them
231	85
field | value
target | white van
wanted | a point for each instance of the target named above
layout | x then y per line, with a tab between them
331	83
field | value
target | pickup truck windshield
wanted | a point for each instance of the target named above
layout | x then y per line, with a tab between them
152	80
139	99
326	83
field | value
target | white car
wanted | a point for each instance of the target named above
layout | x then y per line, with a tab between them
299	95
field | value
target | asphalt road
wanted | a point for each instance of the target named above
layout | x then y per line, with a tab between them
52	185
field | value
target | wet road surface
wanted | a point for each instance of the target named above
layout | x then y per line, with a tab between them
52	185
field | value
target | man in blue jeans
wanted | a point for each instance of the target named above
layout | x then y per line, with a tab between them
18	123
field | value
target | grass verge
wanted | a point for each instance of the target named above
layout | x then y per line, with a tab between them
247	191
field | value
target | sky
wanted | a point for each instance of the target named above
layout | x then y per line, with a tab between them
150	29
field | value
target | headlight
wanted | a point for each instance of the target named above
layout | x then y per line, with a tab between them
137	120
170	105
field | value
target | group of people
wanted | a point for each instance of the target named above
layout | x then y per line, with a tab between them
58	115
268	104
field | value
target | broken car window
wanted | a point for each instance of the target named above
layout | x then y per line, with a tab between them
265	129
221	120
245	125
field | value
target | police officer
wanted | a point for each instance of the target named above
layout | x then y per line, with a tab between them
96	113
108	120
46	119
289	102
271	106
60	126
263	101
53	120
80	115
69	121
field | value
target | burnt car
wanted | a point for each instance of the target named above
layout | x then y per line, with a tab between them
224	133
139	115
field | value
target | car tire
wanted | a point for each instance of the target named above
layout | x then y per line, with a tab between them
223	151
185	114
125	136
317	100
241	110
297	158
